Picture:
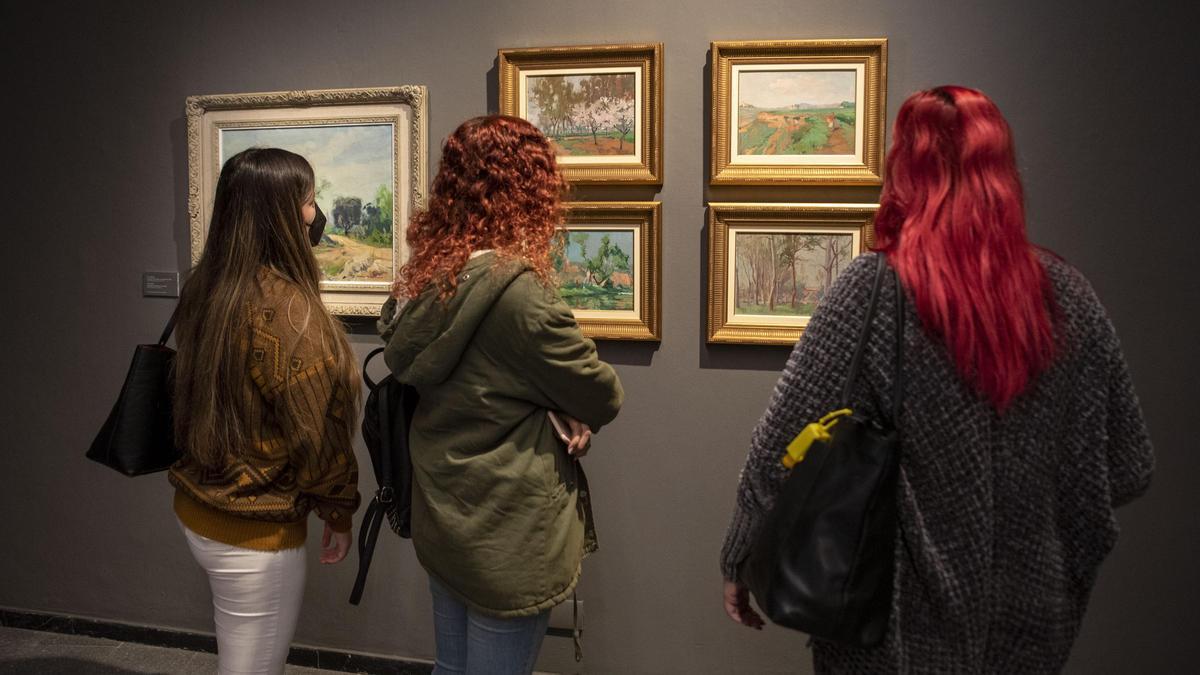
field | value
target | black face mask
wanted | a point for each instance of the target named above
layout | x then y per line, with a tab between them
317	229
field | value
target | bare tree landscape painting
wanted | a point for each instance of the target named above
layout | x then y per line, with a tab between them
786	274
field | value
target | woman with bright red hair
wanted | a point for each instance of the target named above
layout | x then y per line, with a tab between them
1019	432
501	513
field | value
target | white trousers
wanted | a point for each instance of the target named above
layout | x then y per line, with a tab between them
256	602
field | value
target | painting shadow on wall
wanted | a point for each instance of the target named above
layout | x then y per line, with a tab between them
727	356
492	84
623	353
181	228
705	146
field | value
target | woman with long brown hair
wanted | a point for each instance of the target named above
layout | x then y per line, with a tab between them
266	396
501	513
1019	431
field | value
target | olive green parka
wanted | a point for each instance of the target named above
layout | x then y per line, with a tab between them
501	512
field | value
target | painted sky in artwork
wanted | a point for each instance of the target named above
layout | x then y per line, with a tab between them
782	88
355	159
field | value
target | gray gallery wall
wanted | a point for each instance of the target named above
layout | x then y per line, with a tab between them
1101	96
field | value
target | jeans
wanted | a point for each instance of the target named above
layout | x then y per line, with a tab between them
256	602
477	644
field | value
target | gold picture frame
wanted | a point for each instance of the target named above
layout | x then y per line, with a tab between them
588	99
798	112
613	240
748	289
371	142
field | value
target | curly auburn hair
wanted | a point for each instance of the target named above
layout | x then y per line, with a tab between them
498	187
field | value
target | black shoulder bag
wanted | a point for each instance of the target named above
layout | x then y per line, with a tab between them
386	419
824	559
139	437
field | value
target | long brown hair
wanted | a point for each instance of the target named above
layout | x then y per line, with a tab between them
498	187
257	222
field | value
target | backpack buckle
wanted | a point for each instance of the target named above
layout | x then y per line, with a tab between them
385	495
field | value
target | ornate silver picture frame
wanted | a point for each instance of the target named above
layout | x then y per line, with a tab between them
368	151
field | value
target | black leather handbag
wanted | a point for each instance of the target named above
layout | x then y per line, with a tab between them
386	420
823	561
138	437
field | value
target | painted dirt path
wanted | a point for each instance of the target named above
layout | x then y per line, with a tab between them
785	126
360	262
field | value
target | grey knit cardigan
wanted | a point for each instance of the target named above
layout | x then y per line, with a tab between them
1004	519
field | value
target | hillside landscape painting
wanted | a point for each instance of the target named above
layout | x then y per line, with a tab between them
796	112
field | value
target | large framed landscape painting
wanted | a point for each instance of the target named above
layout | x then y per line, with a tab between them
607	261
798	112
601	107
367	149
770	265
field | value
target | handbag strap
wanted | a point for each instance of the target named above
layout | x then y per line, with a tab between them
881	267
898	382
170	328
856	360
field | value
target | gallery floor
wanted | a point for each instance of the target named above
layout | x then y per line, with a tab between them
32	652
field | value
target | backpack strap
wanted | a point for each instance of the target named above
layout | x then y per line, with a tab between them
368	535
366	362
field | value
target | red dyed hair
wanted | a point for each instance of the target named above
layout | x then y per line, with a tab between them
952	221
498	187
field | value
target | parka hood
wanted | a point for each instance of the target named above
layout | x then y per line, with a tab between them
426	337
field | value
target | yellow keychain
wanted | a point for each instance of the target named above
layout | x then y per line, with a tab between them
817	431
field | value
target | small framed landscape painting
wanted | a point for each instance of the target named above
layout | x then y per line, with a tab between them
798	112
607	260
367	150
601	107
770	265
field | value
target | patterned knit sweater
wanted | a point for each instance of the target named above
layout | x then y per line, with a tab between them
262	496
1006	517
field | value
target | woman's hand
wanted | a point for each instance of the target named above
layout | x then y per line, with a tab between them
737	606
334	546
581	436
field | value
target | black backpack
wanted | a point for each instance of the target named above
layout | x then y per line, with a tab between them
386	420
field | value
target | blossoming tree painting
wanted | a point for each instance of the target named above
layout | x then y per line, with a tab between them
585	115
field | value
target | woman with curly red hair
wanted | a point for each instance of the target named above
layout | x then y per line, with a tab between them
501	514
